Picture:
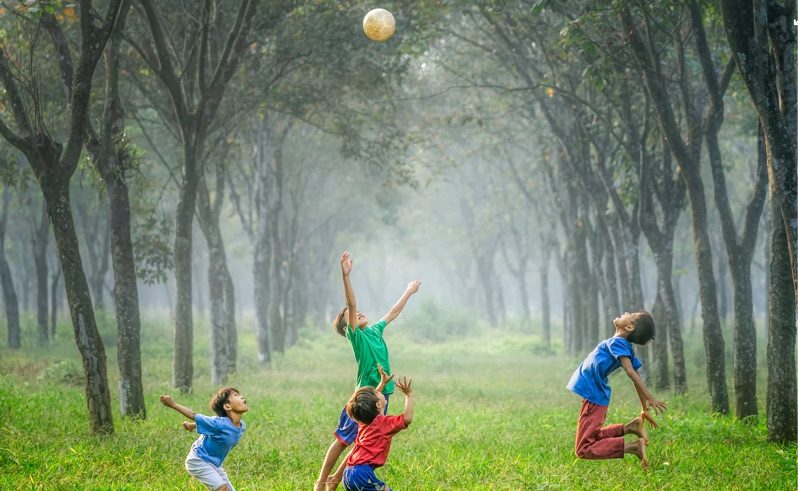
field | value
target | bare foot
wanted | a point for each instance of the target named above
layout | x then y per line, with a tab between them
638	447
188	426
638	427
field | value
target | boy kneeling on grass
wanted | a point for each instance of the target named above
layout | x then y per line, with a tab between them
374	434
590	382
218	435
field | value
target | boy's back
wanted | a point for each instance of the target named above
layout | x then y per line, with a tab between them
374	440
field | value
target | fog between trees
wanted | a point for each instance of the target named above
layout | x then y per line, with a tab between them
538	167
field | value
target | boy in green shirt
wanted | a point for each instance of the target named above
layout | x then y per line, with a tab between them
370	352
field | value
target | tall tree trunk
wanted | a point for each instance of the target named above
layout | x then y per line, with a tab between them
217	279
660	348
230	310
183	363
545	301
9	292
90	345
39	247
100	270
782	400
670	316
126	295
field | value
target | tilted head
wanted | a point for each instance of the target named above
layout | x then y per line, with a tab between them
365	404
227	400
343	318
639	326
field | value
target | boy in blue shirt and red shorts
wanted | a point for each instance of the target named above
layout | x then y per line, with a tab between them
590	382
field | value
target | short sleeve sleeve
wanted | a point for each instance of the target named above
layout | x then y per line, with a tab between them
620	347
394	424
206	425
380	325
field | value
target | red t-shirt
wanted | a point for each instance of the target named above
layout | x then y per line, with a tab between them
374	440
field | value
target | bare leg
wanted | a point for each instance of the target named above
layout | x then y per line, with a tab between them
335	450
637	447
638	427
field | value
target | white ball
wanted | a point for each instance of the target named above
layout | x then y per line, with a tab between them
379	25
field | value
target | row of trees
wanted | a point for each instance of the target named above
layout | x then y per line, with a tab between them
586	127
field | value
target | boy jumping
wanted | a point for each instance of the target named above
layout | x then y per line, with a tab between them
590	382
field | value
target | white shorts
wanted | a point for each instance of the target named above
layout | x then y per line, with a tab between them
208	474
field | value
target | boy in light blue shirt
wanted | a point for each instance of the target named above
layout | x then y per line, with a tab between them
218	435
590	381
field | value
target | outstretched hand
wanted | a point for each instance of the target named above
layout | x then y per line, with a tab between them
346	263
656	405
167	401
413	286
384	377
405	385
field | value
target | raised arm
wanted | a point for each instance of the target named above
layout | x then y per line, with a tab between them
405	385
169	402
647	399
349	294
392	314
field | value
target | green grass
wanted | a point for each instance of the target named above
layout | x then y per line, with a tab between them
491	413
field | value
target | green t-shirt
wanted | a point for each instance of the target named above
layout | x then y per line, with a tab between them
369	349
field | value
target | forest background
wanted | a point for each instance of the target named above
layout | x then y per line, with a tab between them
180	179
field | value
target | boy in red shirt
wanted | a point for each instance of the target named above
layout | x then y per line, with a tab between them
374	435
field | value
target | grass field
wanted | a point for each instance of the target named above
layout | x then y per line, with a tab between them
491	413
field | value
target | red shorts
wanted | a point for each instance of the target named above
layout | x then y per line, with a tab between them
593	441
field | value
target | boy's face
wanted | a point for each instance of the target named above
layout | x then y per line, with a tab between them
626	321
381	403
362	320
236	403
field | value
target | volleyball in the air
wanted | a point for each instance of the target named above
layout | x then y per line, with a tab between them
379	25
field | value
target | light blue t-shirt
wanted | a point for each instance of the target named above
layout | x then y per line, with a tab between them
218	435
590	379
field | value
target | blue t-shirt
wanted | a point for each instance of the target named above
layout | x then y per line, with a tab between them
218	435
590	379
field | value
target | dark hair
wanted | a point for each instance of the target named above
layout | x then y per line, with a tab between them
339	324
362	406
220	399
644	328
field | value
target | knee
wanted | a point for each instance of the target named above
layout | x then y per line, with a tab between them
223	487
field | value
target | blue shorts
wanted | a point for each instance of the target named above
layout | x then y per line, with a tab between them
362	478
347	427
